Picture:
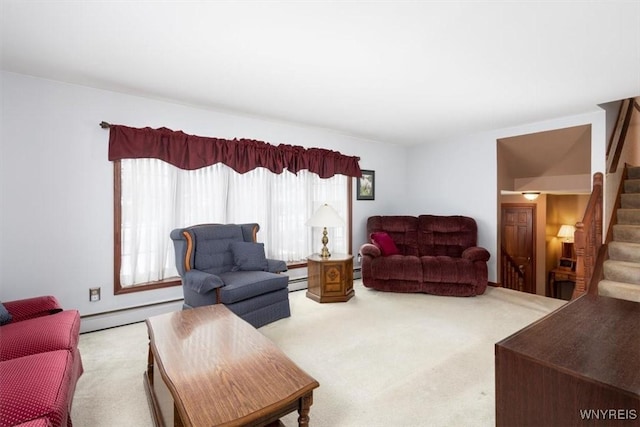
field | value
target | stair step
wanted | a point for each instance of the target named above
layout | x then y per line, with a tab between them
624	251
633	172
622	271
629	216
626	233
632	186
630	200
619	290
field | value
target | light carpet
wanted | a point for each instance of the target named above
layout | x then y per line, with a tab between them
382	359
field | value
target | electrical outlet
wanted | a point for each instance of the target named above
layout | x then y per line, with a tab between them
94	294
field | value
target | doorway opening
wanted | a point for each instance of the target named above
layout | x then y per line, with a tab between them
518	246
557	164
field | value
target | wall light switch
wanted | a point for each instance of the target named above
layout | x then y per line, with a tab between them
94	294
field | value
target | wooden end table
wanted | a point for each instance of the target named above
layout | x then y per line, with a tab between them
330	279
556	276
208	367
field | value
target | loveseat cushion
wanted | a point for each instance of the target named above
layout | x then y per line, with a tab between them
403	230
240	285
59	331
445	235
444	269
397	267
248	256
37	386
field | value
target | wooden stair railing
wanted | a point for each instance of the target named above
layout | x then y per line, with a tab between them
588	238
619	135
512	274
591	252
603	253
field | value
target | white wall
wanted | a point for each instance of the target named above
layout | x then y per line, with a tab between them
56	195
56	184
459	176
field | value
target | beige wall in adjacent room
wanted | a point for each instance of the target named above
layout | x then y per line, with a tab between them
561	209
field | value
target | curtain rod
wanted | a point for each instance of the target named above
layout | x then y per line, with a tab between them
105	125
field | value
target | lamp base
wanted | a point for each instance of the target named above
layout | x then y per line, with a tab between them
325	251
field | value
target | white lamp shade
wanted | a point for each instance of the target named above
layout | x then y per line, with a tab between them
566	231
325	216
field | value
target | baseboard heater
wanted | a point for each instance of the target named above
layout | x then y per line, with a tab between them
128	315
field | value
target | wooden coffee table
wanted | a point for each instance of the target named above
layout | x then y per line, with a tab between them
208	367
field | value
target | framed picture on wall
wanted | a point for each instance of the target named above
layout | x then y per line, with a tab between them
366	188
567	264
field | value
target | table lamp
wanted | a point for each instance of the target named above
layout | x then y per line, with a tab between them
325	217
566	232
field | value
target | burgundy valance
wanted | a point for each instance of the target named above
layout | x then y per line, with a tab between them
242	155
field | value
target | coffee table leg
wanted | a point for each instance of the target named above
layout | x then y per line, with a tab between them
150	365
303	410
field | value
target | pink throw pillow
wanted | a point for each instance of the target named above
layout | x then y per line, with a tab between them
385	243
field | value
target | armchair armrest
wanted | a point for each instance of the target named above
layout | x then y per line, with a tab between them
201	282
371	250
476	253
276	266
30	308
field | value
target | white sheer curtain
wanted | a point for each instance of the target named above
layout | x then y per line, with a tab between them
147	187
158	197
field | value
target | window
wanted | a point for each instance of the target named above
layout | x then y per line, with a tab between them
152	197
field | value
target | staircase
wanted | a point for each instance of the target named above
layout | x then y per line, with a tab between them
622	269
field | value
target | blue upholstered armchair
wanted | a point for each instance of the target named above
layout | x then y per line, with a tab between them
223	264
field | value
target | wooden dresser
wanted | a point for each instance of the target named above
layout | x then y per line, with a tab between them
581	361
330	279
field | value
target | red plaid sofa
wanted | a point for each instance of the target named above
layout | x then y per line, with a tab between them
39	362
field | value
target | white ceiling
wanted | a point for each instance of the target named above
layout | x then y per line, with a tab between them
404	72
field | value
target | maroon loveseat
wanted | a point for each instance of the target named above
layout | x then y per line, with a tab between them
429	253
39	362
